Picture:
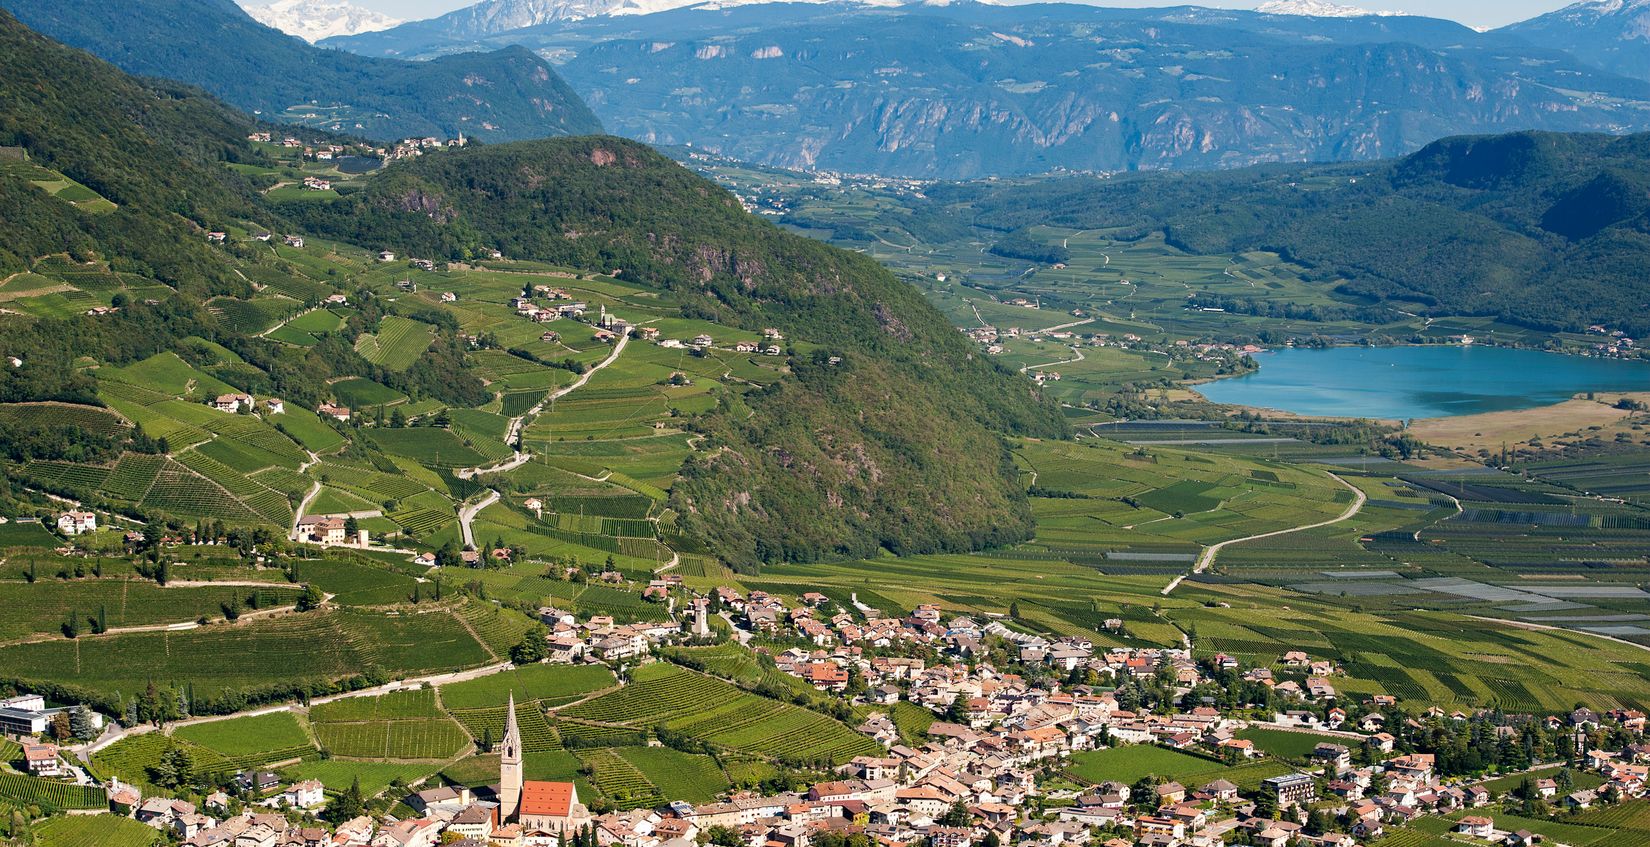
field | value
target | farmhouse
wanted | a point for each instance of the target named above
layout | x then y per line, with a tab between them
232	403
386	256
340	413
75	523
42	759
274	406
294	241
1476	826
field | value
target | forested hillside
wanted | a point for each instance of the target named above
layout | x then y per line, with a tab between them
880	429
847	457
506	94
1541	229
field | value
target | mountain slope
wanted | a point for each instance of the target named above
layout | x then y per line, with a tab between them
151	148
1610	34
894	446
1540	229
215	45
969	90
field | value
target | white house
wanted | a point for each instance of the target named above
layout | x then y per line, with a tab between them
75	523
304	795
232	402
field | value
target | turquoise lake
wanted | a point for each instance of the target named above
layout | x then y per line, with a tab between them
1420	382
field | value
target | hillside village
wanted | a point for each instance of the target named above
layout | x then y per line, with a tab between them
1021	732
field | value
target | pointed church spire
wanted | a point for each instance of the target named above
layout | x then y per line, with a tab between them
509	765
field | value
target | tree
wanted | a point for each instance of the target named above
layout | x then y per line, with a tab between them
351	527
349	804
533	647
80	723
175	769
311	599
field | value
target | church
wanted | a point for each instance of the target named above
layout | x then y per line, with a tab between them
537	806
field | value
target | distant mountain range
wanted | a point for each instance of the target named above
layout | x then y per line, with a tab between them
1610	34
313	20
499	95
968	89
929	89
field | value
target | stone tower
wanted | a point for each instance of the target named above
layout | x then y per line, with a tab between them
509	766
701	617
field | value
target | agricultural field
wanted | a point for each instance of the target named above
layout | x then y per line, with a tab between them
46	604
375	777
705	707
1129	763
397	344
551	685
95	831
276	736
1288	744
222	659
29	790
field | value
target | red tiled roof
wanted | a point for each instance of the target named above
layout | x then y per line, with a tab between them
554	799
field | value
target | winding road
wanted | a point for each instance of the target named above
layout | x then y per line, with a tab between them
518	422
1213	550
468	514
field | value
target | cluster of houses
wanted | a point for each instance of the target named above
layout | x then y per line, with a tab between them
1618	345
215	824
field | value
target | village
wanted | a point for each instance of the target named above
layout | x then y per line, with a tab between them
1014	715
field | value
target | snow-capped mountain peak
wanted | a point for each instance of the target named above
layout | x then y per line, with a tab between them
313	20
1315	9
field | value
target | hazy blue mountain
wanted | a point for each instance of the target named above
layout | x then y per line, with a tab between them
968	89
500	95
1611	34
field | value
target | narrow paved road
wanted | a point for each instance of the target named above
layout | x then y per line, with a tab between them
468	514
1213	550
1078	357
519	422
303	505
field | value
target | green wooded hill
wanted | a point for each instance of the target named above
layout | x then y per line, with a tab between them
152	148
884	433
1541	229
894	446
505	94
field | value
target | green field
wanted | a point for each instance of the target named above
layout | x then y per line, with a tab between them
252	736
397	344
551	684
95	831
1291	745
707	708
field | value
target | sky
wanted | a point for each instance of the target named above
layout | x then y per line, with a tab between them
1470	12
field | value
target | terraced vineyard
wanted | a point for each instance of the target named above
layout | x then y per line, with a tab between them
31	790
400	740
95	831
537	733
619	780
708	708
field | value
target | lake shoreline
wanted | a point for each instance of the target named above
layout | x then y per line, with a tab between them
1414	382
